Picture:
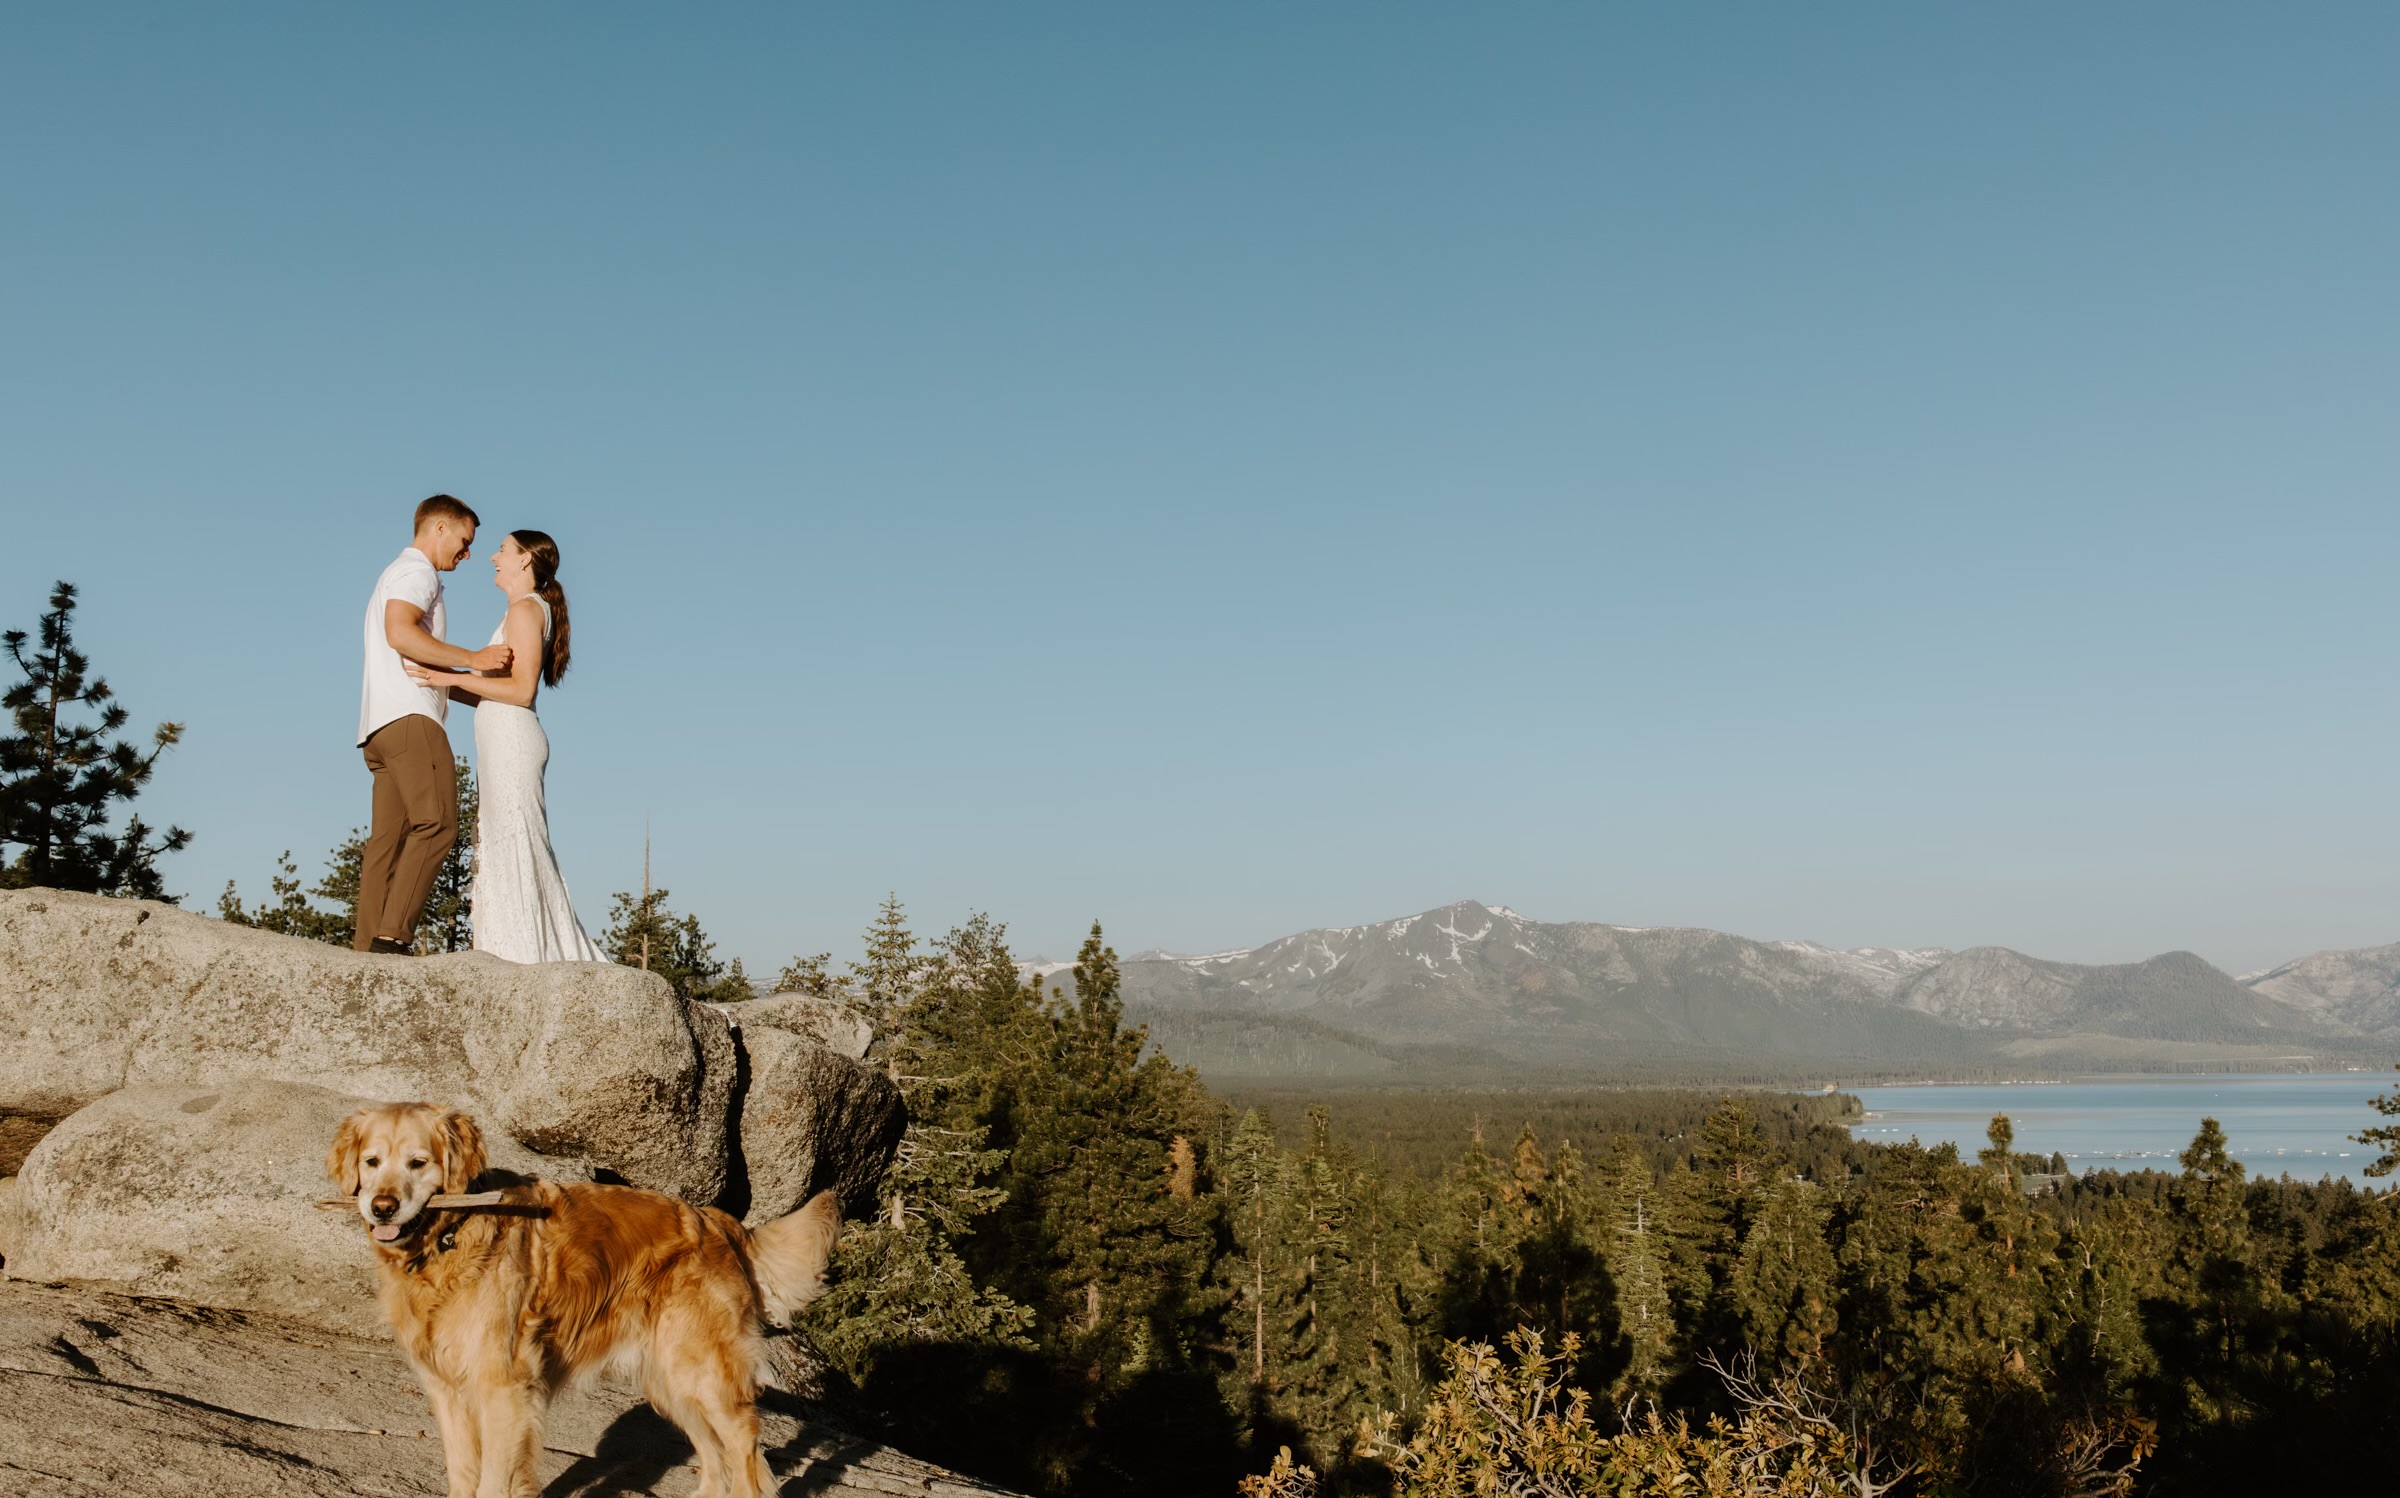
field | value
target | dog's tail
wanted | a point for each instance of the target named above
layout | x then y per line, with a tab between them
788	1256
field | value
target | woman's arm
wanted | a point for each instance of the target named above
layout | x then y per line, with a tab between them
516	686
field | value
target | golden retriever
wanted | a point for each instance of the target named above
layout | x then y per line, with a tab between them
498	1308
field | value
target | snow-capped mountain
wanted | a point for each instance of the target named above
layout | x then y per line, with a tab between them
1583	994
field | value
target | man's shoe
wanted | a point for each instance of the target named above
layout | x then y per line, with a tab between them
387	945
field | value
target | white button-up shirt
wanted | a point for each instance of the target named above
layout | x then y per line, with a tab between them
390	693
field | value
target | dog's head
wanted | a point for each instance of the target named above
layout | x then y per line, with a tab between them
395	1158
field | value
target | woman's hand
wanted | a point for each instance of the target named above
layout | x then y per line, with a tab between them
427	676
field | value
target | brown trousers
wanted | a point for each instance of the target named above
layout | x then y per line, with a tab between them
416	821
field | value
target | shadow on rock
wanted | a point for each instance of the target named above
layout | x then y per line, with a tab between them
638	1448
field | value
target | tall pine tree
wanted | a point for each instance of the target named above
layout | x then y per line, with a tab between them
60	778
643	932
1638	1261
898	1289
1098	1236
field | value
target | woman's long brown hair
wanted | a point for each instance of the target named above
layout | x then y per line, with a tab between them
544	552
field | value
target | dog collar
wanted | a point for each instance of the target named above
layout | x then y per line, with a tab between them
437	1243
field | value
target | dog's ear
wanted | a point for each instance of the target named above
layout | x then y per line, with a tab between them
341	1162
463	1158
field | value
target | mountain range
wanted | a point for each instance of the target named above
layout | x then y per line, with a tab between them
1478	993
2358	989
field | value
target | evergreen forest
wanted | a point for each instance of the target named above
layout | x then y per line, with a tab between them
1087	1275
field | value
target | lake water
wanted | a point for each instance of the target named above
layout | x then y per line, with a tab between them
2275	1124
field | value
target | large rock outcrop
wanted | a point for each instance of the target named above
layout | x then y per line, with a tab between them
208	1195
814	1117
812	1120
576	1059
836	1026
580	1061
169	1084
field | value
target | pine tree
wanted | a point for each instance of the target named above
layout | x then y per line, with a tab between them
2014	1260
295	913
1998	1153
643	927
1472	1222
2220	1299
1713	1207
1541	1265
447	924
886	977
1396	1284
2209	1204
1637	1260
60	778
344	866
1117	1264
811	975
1325	1298
291	914
2114	1257
1784	1283
2383	1137
1903	1246
898	1282
1525	1186
1089	1172
1251	1177
1318	1288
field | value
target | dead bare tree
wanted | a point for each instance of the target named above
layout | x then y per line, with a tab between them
1787	1409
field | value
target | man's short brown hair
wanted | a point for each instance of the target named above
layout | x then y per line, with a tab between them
446	507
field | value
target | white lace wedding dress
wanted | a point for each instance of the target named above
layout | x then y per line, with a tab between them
520	904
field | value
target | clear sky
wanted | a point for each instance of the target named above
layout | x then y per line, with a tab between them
1880	474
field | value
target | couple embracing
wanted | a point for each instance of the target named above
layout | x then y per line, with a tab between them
520	904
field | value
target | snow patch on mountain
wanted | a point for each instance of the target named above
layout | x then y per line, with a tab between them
1883	969
1197	961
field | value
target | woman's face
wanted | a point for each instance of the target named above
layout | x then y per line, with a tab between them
512	567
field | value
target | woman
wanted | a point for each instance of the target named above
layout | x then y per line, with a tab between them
520	901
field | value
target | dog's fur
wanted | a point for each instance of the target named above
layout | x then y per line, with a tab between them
499	1308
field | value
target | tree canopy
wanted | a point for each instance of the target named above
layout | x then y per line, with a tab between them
1091	1276
64	769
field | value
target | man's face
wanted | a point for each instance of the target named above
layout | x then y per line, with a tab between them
451	543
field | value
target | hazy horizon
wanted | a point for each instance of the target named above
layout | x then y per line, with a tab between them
1066	952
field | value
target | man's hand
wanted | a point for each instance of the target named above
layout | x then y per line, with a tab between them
491	658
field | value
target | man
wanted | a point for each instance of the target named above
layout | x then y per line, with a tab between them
400	728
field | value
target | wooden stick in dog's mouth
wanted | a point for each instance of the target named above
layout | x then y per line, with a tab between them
477	1199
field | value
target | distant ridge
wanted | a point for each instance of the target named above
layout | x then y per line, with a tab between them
1470	990
2358	988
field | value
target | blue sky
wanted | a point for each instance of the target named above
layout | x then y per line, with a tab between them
1878	474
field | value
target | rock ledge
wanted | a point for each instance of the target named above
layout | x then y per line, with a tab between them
144	1398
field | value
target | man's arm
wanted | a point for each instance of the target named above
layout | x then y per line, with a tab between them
404	630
